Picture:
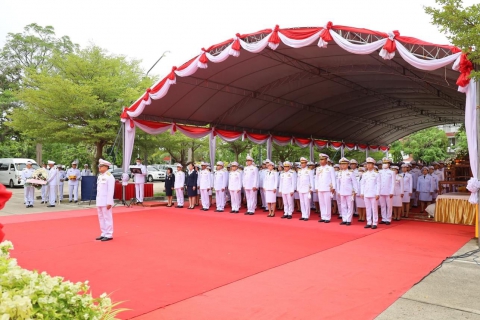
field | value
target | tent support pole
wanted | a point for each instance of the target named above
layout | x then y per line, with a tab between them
478	153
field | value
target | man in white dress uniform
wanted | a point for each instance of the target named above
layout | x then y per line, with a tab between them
73	175
250	184
387	185
105	190
139	179
325	185
204	184
304	188
52	183
220	184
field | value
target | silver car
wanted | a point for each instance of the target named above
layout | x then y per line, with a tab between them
153	174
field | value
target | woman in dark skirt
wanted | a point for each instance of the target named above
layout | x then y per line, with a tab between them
191	182
169	185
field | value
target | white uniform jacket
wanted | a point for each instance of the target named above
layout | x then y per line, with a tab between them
325	178
250	177
205	179
270	180
370	184
346	183
387	181
105	189
179	179
140	177
235	180
304	180
407	182
220	179
288	182
73	173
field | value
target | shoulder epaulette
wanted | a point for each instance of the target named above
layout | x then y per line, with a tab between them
108	173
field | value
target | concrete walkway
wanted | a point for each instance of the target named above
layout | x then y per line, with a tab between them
451	292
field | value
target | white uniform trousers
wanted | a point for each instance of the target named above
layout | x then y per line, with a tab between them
386	207
264	201
220	199
205	198
52	194
29	194
288	204
60	191
325	201
106	221
73	192
415	199
44	193
180	197
251	197
372	211
139	189
347	207
235	198
304	205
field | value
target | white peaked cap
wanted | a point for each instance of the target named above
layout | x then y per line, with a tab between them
370	160
220	163
51	162
102	162
234	164
303	159
178	165
249	158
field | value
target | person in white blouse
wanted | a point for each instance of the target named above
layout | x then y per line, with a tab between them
407	189
235	187
288	183
270	182
398	193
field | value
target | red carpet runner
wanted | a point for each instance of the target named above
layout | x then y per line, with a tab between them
169	263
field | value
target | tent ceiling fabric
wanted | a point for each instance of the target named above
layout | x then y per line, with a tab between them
312	91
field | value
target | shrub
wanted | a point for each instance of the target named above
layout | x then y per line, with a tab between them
26	294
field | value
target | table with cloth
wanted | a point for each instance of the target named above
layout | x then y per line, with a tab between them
454	208
130	191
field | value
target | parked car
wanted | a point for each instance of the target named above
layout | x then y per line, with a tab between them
11	170
164	167
117	173
155	174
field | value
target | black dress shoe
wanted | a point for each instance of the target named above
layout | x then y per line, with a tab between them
50	206
232	211
205	209
339	217
374	227
382	222
284	216
99	238
321	220
342	223
301	219
77	201
106	239
367	226
247	213
216	210
252	213
327	221
305	219
219	210
349	223
387	223
180	207
289	217
68	201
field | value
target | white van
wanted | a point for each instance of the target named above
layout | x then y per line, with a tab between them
11	170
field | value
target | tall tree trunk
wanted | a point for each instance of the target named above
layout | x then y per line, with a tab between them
98	155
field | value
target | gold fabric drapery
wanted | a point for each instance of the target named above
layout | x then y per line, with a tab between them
455	208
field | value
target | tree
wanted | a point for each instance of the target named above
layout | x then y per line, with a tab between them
461	25
396	151
178	145
236	147
79	98
427	145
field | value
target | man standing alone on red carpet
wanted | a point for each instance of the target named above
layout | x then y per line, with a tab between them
105	189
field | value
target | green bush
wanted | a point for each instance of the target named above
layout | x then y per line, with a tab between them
26	294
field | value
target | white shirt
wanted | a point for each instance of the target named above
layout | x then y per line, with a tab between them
105	189
27	174
52	176
325	178
398	186
86	172
407	182
270	180
73	173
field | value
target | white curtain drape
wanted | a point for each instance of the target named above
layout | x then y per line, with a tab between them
213	146
150	130
357	48
471	131
422	63
294	43
255	47
129	137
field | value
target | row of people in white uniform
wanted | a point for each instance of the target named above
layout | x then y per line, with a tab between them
55	181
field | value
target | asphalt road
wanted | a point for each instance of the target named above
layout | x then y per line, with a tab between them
16	204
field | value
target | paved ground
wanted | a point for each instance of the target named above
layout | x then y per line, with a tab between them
452	292
16	204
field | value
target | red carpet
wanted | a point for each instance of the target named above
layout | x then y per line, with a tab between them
189	264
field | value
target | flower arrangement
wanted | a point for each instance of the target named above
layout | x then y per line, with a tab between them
26	294
39	178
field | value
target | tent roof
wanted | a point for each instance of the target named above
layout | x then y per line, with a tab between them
325	93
